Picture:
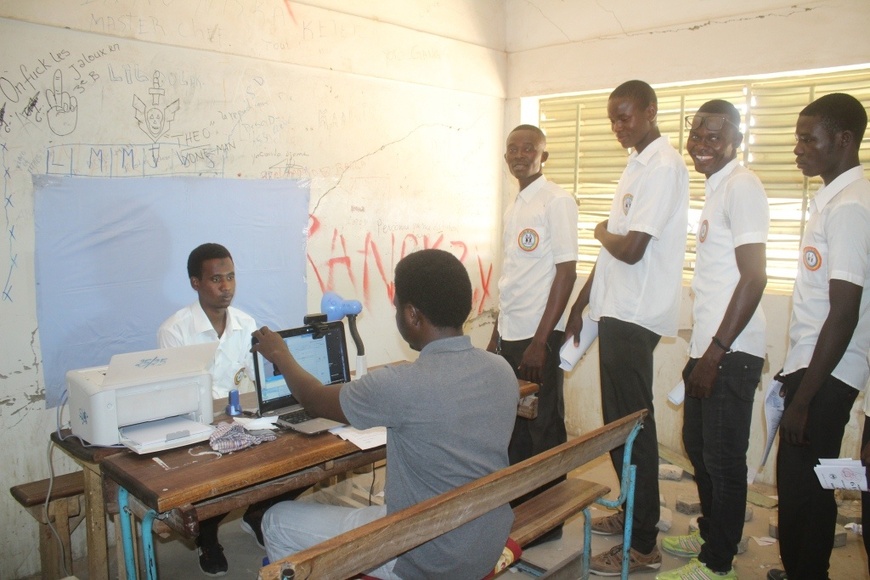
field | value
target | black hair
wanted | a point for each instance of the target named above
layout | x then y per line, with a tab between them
721	107
638	91
840	112
202	253
537	130
437	284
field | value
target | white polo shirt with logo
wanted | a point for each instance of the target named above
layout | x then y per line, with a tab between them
735	213
540	231
835	246
652	197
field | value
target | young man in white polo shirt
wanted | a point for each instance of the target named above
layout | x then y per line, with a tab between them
726	352
829	334
538	274
634	294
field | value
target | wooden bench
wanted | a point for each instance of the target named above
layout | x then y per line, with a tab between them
65	512
369	546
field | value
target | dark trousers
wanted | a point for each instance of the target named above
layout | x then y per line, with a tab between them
716	437
626	362
808	512
547	430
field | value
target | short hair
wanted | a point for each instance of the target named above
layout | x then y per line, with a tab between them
721	107
437	284
202	253
839	112
638	91
537	130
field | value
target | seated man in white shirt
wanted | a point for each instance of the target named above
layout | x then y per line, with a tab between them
212	319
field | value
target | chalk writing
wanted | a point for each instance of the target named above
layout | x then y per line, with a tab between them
153	119
62	107
16	87
139	160
8	207
339	261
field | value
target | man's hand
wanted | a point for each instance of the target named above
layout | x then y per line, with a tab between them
269	344
600	230
793	426
701	380
533	362
574	325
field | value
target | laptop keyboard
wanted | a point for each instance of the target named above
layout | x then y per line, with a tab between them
295	417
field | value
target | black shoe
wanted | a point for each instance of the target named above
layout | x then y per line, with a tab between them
551	536
776	574
253	524
212	561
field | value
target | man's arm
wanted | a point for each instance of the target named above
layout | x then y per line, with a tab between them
751	262
318	400
837	330
575	316
536	354
629	248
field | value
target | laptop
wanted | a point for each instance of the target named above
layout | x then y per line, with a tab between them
320	349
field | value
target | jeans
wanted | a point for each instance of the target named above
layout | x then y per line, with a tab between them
716	437
626	362
292	526
807	511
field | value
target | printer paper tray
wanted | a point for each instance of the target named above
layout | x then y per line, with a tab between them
164	434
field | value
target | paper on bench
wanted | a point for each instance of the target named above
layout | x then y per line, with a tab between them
570	354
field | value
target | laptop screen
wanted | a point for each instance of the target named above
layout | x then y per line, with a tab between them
321	350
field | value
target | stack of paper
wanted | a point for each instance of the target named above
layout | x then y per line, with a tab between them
842	474
571	354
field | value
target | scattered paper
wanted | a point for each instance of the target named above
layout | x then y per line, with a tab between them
257	423
764	540
678	394
571	354
774	405
365	439
841	474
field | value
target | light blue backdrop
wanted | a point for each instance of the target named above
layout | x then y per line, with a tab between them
111	259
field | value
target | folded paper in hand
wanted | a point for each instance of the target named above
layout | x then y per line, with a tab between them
841	474
570	354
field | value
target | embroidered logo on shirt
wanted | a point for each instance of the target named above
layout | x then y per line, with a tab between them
528	240
702	231
240	374
812	259
626	202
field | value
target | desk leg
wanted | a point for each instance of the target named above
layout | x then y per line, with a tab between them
127	535
95	519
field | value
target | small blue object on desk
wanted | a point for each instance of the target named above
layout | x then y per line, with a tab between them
234	408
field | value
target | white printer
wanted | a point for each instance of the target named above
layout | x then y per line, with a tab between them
149	401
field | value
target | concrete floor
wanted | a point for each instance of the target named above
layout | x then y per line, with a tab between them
177	559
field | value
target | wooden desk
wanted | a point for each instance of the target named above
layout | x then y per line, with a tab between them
198	487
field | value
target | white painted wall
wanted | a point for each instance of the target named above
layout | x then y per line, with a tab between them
561	47
394	110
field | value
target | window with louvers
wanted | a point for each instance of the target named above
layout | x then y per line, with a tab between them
586	159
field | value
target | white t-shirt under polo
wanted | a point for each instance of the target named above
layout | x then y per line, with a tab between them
540	231
735	213
835	246
652	197
233	366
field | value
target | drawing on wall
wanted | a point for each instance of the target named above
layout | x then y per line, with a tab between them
154	121
62	111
